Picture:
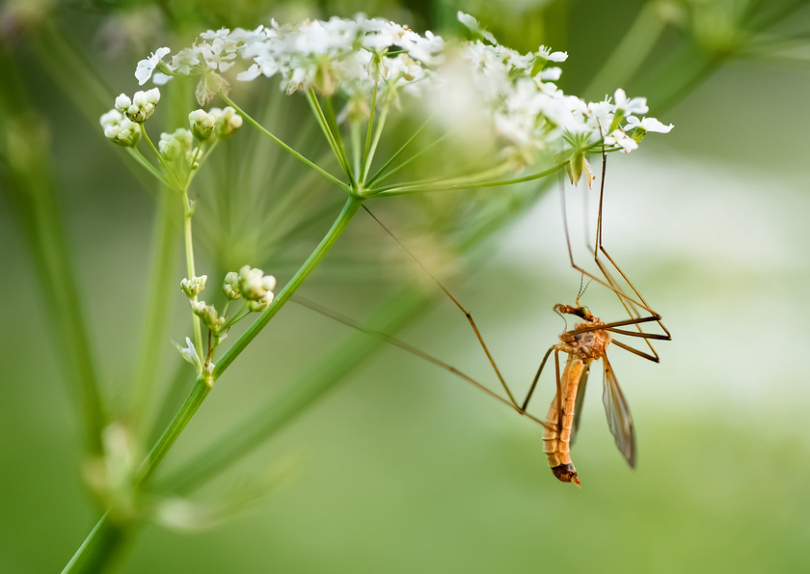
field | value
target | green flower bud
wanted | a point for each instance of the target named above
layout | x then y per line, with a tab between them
202	124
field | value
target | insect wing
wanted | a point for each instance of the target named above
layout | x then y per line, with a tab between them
583	381
618	416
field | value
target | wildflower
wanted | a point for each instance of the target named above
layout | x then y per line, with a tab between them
227	121
189	353
146	67
208	315
194	286
255	287
177	145
119	129
202	124
231	286
141	107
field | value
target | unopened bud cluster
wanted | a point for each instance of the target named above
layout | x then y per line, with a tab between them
208	315
177	145
214	124
194	286
253	285
119	129
141	107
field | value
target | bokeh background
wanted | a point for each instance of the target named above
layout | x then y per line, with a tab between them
402	467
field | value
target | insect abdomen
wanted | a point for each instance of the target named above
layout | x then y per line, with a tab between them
557	442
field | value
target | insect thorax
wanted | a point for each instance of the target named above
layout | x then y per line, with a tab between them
588	344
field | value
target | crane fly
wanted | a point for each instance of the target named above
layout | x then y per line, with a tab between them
585	343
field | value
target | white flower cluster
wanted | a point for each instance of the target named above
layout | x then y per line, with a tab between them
120	129
140	107
325	55
253	285
515	92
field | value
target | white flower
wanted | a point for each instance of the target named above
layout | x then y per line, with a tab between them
146	67
550	56
141	107
629	106
194	286
111	118
648	125
190	354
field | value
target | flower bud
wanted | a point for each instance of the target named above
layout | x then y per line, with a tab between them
124	132
228	121
202	124
194	286
208	315
256	287
231	286
176	145
141	107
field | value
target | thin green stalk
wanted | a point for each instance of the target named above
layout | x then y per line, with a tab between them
157	303
138	156
377	133
381	171
333	123
98	548
148	140
418	154
330	137
351	206
356	146
284	146
425	189
370	128
499	169
189	249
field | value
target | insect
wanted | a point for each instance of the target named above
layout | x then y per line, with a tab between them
585	343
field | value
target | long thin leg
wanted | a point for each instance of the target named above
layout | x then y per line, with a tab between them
411	349
459	305
536	378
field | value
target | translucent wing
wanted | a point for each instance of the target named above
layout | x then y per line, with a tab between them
583	381
618	416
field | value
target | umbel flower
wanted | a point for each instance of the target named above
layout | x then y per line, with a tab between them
362	59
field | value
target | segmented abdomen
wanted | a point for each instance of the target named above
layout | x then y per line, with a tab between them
556	443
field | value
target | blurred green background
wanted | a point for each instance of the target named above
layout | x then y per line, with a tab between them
404	468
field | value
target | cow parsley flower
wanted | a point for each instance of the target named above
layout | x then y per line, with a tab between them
511	98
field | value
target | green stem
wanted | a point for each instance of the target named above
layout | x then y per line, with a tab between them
393	158
377	133
284	146
152	337
138	156
148	140
403	190
351	206
335	128
98	549
369	130
327	132
379	178
187	213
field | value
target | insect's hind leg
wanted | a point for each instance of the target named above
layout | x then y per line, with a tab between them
467	314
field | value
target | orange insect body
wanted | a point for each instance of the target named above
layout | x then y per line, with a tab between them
582	347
